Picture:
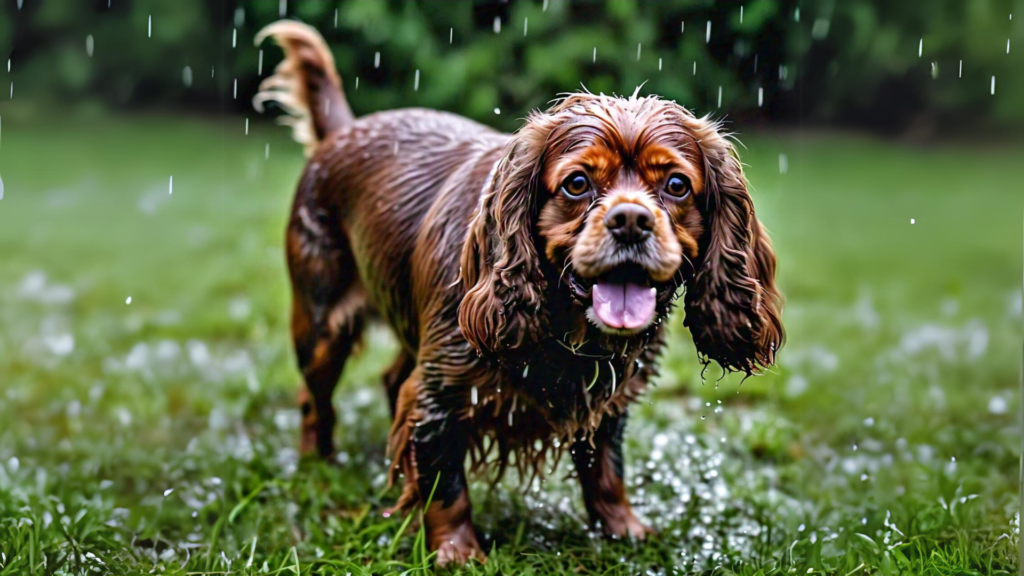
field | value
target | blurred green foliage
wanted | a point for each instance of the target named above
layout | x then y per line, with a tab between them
853	62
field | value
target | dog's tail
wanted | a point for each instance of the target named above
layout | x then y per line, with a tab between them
306	84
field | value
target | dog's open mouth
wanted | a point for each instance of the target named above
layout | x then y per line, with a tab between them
622	300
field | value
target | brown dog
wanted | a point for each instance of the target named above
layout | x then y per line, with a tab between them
526	276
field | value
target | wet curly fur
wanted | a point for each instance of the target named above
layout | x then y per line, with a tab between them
464	241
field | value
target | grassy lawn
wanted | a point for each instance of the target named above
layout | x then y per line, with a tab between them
159	436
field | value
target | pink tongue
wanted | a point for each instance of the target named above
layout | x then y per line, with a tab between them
623	306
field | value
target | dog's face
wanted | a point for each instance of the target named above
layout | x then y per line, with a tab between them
626	200
619	216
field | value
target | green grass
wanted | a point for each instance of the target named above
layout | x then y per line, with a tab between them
160	436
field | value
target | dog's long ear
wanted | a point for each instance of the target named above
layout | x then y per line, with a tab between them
733	308
503	309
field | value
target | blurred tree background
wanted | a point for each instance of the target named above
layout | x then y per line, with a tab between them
884	65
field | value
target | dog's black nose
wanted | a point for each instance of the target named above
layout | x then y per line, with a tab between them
629	223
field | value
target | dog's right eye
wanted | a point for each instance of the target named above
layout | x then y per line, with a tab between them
576	186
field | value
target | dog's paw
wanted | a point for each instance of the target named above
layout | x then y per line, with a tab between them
626	526
459	551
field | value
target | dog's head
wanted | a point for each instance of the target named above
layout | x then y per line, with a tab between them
626	201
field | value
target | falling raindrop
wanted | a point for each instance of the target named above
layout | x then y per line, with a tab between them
212	70
235	92
376	60
638	52
128	300
526	24
234	37
186	76
594	58
659	64
920	47
961	69
170	186
474	396
993	88
1007	45
497	110
682	27
1	188
707	35
282	8
259	64
935	70
416	81
451	35
796	15
497	24
89	45
741	14
335	17
760	97
783	164
357	82
694	67
266	152
149	30
239	17
545	6
247	126
719	96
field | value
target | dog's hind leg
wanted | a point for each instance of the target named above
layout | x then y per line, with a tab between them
328	315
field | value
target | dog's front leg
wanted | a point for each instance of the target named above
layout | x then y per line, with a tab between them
439	445
599	467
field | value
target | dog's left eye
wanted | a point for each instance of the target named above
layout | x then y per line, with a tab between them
576	186
678	185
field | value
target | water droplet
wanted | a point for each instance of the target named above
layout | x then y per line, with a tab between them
259	64
376	60
168	492
997	405
186	76
993	88
497	110
170	185
89	45
128	300
526	24
760	97
920	47
913	221
149	29
416	81
497	24
707	34
234	37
